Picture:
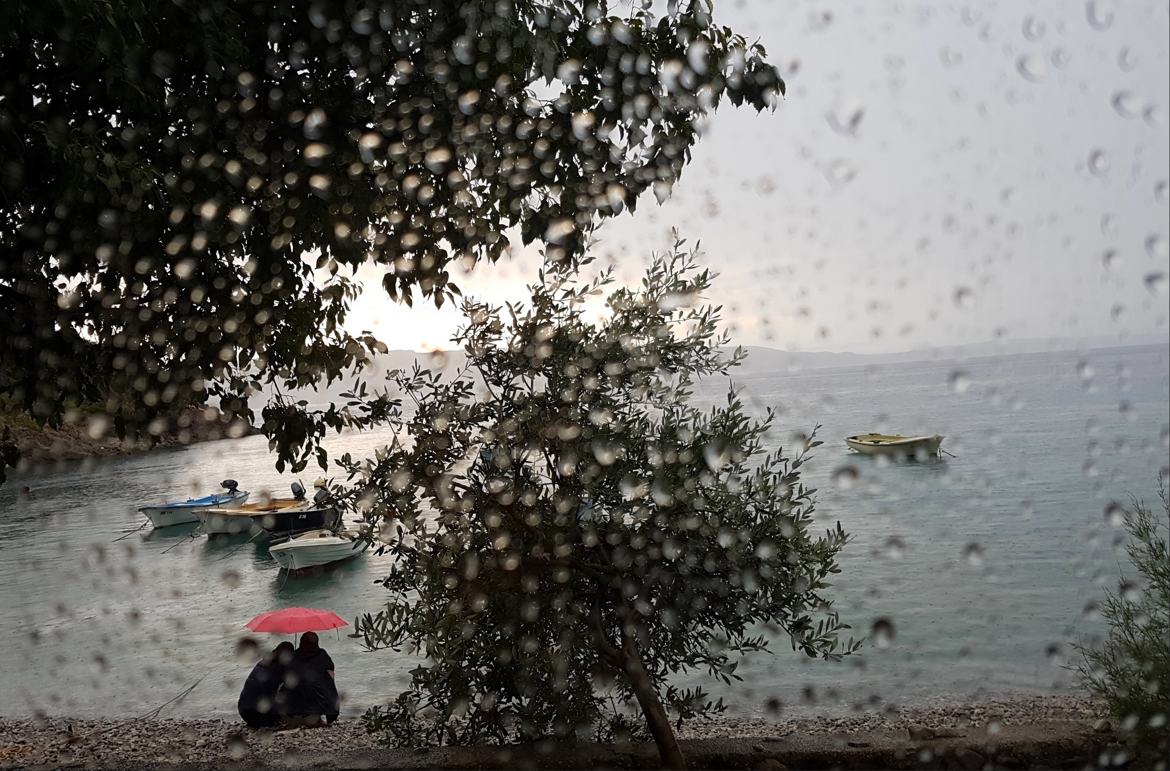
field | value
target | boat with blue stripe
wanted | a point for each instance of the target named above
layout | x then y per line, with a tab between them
185	512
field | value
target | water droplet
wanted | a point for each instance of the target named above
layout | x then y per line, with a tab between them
240	216
844	477
1156	246
1098	163
1154	116
845	119
1091	611
959	381
1085	369
1054	652
882	633
1126	59
98	426
247	648
964	297
973	554
1033	28
605	451
894	547
1114	514
1033	67
840	173
230	578
237	747
1099	17
1161	188
559	230
1155	283
1110	259
1125	104
717	454
1129	591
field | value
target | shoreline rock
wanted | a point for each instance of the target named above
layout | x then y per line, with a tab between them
90	438
1054	731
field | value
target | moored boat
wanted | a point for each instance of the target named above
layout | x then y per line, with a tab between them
240	519
896	445
274	516
186	512
317	547
287	522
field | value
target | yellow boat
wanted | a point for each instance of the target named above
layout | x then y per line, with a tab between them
895	445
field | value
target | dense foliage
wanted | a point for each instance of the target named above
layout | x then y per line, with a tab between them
186	186
1130	669
573	534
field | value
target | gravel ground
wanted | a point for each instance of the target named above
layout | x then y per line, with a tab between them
940	716
61	742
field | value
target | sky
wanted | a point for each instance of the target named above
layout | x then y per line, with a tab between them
938	174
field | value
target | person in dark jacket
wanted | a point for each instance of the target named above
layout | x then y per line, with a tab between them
309	692
257	703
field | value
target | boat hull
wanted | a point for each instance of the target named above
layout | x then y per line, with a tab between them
903	447
307	551
170	515
293	521
243	519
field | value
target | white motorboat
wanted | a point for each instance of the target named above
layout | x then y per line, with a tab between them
186	512
896	445
317	547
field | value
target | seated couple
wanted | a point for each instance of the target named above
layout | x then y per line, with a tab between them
291	687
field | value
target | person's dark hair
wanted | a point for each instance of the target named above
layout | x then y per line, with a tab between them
283	653
309	644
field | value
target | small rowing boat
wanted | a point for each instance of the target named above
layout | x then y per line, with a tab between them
896	445
185	512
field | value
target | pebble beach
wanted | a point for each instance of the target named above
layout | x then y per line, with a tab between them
65	742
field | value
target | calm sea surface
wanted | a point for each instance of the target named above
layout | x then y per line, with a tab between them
985	565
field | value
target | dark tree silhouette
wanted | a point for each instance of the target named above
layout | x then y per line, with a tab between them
186	186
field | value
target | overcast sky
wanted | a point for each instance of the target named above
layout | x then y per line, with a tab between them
938	174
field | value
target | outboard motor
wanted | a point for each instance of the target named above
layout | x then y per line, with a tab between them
322	496
230	485
298	491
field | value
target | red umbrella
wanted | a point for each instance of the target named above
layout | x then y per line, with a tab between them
296	620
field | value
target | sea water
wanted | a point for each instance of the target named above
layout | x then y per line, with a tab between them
972	577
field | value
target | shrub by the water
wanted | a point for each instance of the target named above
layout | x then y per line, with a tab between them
1130	669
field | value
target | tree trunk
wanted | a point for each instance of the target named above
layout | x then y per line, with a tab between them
652	709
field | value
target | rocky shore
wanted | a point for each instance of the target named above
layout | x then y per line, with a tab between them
1052	732
91	437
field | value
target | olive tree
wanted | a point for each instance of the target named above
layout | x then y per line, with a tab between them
186	187
573	534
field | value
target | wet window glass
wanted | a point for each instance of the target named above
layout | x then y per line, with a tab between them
726	383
